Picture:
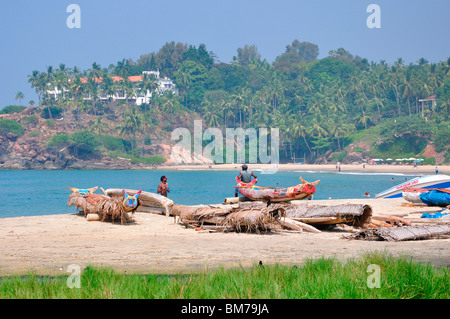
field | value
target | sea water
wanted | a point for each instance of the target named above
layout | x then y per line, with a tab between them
45	192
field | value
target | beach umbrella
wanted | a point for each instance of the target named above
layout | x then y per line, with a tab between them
389	159
398	159
411	159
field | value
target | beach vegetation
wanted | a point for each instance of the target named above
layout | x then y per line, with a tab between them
112	143
51	111
33	119
323	278
11	109
84	142
58	142
10	126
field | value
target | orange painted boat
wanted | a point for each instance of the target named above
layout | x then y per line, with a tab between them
276	194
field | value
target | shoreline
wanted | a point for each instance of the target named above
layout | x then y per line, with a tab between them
268	168
344	168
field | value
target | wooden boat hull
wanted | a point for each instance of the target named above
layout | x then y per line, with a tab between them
431	181
411	194
274	194
149	202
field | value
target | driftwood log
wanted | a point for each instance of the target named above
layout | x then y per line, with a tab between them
351	214
403	233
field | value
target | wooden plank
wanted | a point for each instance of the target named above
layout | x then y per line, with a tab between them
429	220
296	225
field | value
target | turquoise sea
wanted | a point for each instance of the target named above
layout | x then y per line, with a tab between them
44	192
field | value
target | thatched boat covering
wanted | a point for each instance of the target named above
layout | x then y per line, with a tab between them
351	214
148	202
404	233
107	208
255	220
231	217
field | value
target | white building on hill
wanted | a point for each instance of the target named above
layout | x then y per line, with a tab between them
138	97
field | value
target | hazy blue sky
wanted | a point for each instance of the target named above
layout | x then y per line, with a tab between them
34	34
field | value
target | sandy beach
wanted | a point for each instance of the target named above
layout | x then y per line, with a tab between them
154	243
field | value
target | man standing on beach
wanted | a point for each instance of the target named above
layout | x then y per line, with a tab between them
436	170
163	188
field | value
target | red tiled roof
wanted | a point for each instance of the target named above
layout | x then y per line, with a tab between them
133	78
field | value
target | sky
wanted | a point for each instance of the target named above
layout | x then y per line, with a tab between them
35	34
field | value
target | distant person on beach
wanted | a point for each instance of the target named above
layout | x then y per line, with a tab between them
366	194
163	188
437	171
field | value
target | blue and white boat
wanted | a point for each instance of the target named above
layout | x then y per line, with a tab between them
431	181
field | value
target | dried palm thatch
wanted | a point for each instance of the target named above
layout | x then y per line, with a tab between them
254	220
261	217
350	214
230	217
85	203
108	209
404	233
212	214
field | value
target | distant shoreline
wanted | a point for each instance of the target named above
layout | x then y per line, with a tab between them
269	168
344	168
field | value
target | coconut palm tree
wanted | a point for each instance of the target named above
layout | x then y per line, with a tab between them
108	88
298	129
76	90
407	89
20	97
131	125
211	114
34	79
148	85
98	127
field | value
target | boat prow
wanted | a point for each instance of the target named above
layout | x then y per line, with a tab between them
149	202
425	182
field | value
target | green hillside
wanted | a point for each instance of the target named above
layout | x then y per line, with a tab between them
337	108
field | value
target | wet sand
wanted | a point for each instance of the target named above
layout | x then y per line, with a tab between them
154	243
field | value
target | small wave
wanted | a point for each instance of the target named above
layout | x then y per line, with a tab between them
363	173
313	172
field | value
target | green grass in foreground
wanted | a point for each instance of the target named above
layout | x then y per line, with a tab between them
322	278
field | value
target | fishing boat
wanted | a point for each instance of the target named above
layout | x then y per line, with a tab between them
276	194
427	182
411	194
149	202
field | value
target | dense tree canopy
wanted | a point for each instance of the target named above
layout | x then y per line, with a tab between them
316	103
